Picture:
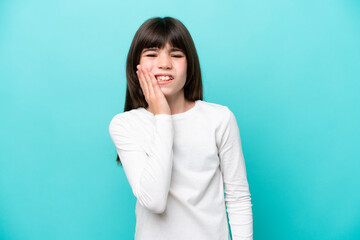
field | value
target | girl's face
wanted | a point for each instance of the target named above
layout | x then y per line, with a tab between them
169	61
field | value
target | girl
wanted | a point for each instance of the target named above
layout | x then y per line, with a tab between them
179	153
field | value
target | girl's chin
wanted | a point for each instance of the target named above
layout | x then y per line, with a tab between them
165	91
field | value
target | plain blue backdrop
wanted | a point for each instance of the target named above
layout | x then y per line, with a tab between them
289	70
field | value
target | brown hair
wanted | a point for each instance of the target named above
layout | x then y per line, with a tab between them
156	32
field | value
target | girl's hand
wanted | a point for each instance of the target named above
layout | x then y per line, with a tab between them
152	92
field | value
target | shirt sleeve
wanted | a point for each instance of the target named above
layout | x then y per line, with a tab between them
148	173
237	194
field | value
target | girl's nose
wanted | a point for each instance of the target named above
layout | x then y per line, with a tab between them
164	62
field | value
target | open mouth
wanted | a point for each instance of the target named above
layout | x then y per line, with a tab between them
164	78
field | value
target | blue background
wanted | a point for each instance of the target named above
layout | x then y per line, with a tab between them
289	70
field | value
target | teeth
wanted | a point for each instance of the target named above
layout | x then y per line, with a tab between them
163	78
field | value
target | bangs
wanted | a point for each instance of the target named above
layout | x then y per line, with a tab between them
158	35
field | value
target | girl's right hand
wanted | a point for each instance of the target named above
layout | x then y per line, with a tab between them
152	92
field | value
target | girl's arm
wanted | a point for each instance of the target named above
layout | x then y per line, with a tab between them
149	174
232	165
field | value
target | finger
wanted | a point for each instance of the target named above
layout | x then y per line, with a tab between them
150	84
156	86
145	81
140	82
143	84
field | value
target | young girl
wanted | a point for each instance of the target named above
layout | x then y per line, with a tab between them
179	153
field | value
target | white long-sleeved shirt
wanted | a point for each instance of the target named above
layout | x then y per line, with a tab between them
178	167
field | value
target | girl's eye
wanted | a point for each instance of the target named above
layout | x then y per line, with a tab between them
153	55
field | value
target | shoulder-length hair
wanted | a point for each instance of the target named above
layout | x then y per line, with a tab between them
156	32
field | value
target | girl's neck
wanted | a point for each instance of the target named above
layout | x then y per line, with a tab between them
178	106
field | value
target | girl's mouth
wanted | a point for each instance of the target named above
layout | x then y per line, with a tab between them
164	78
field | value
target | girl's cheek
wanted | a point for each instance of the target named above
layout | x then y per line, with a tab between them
147	66
144	65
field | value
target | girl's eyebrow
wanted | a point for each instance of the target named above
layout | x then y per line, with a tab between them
157	49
